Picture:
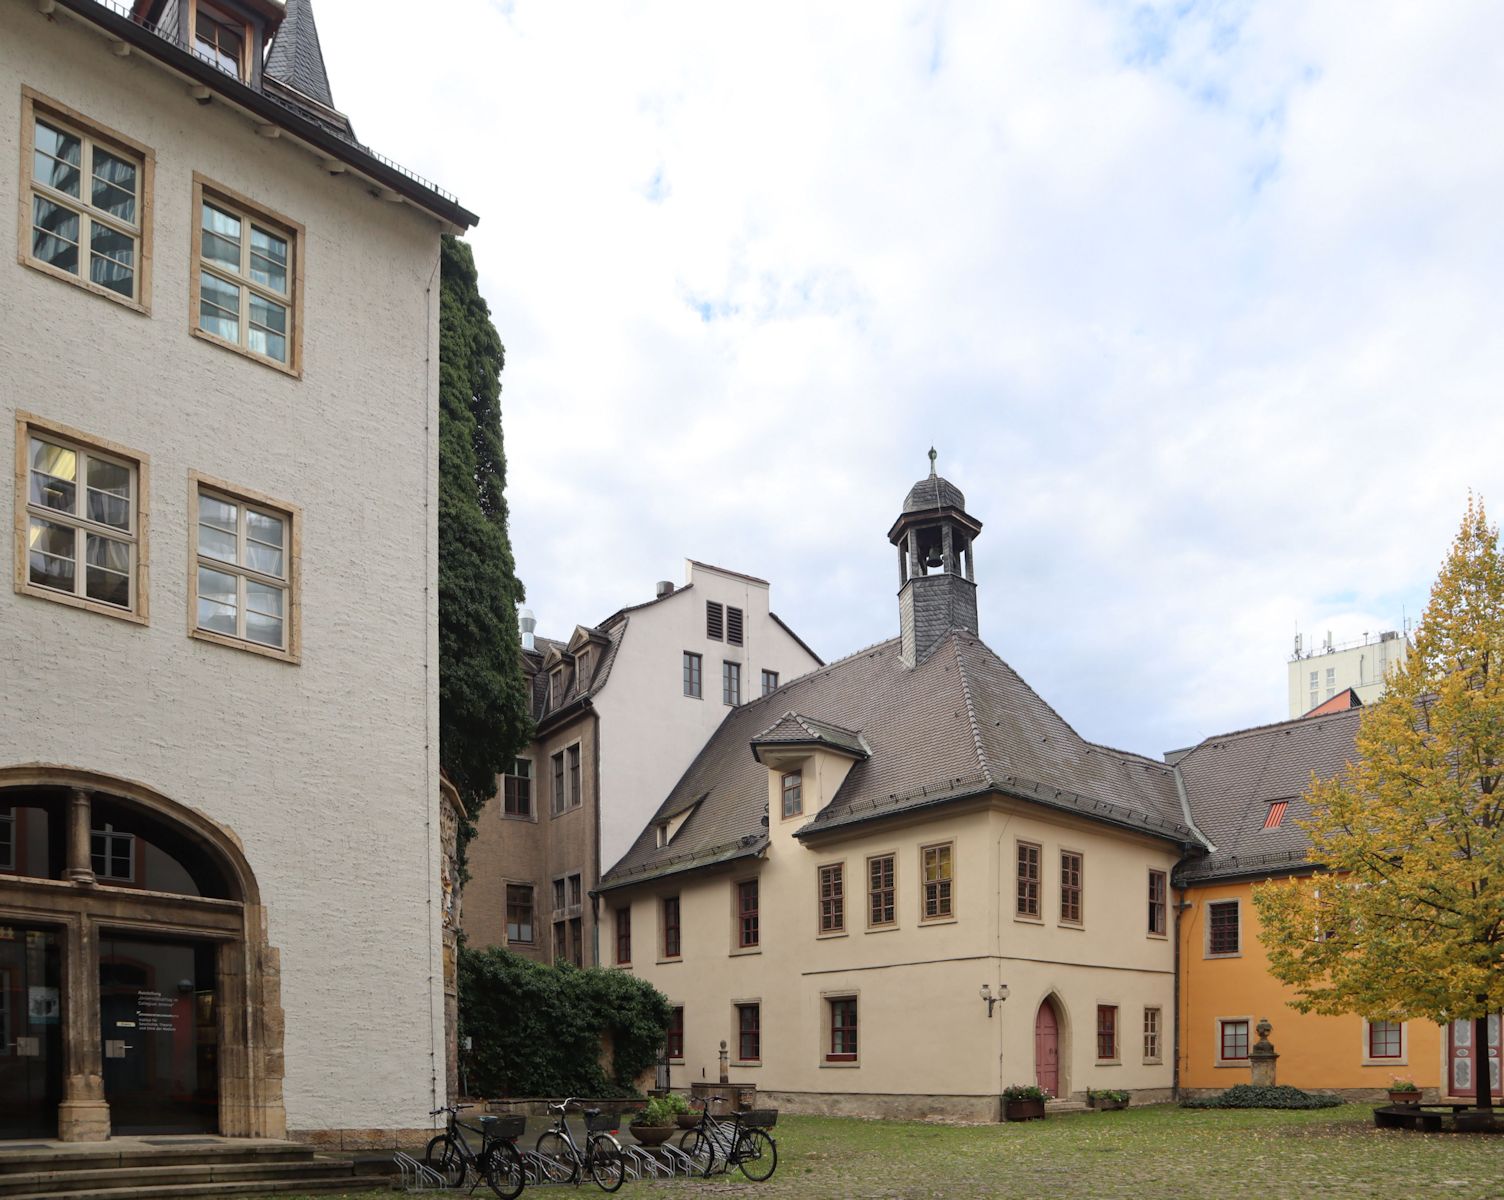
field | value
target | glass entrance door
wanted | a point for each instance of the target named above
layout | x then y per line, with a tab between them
31	1032
159	1035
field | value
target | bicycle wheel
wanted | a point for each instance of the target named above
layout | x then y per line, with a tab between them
607	1165
701	1149
444	1157
564	1167
758	1154
503	1171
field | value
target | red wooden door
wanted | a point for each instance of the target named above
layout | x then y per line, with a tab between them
1047	1049
1463	1057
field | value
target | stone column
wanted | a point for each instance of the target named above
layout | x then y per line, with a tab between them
84	1114
80	868
1262	1057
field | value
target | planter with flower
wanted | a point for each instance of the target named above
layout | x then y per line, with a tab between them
1108	1099
653	1125
1403	1091
1024	1102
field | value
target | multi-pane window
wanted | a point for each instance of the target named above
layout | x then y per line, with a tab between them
556	799
1028	880
1233	1039
517	789
1151	1034
769	682
749	1032
793	793
673	1038
573	754
937	878
519	912
561	941
113	854
746	914
559	894
671	942
715	621
87	195
242	580
556	688
842	1030
731	683
1385	1039
624	934
1070	887
245	270
692	686
577	941
1158	906
1315	692
8	841
832	898
1107	1032
1222	927
880	890
82	521
733	626
1331	682
220	38
576	892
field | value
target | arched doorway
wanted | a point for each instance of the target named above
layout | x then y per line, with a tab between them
137	991
1047	1025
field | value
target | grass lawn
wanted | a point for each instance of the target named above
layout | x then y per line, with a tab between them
1328	1154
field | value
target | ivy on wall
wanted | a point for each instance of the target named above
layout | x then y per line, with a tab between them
538	1030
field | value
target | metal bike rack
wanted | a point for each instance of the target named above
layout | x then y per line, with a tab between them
415	1177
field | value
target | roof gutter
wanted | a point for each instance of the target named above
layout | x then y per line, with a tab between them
151	44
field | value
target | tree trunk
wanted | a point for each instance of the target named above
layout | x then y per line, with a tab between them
1481	1070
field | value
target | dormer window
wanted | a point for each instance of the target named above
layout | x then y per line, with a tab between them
556	687
582	668
221	38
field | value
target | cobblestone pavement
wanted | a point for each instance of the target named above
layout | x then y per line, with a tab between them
1330	1154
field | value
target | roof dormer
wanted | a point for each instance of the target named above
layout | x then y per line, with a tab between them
808	761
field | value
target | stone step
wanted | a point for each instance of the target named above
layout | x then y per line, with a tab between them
54	1183
106	1155
298	1185
1063	1108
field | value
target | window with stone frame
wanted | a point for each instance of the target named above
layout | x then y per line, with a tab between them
624	935
793	793
1232	1040
1070	887
1386	1039
520	913
576	795
673	1038
243	586
938	881
556	798
833	898
576	890
1029	880
1151	1034
1222	932
672	945
517	789
82	536
749	1032
747	932
881	890
1107	1032
1158	903
843	1029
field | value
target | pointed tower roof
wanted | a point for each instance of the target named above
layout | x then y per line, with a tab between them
296	58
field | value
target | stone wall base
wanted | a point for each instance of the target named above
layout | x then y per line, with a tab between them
900	1107
363	1139
1351	1095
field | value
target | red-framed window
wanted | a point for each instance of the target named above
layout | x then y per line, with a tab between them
746	914
882	909
749	1032
832	898
673	1040
1234	1040
1028	880
1159	890
1107	1032
1070	887
624	935
671	946
1222	927
842	1030
1385	1039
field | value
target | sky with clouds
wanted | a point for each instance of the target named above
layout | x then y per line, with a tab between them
1199	303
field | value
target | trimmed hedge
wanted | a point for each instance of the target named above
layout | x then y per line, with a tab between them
1245	1095
537	1030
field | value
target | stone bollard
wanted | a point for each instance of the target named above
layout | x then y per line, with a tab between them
1262	1057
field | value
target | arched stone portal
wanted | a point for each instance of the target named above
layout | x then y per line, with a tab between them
136	981
1049	1037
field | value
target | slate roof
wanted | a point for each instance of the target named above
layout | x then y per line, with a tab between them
960	724
296	58
932	493
1232	778
794	729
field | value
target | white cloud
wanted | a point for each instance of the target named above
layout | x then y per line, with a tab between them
1199	305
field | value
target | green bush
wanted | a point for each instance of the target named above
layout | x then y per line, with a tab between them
660	1111
536	1030
1025	1091
1245	1095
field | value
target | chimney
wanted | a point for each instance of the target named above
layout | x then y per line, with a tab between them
527	623
665	588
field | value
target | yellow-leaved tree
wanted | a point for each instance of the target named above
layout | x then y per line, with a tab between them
1405	918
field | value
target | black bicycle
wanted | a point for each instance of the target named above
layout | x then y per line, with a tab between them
498	1163
740	1140
602	1161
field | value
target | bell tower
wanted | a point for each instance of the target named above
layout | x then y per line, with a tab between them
936	574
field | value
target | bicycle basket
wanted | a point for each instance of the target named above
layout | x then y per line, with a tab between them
603	1123
762	1118
508	1127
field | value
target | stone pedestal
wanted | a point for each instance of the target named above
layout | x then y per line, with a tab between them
1262	1056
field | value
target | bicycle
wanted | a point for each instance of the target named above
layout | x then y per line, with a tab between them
740	1140
602	1161
499	1163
